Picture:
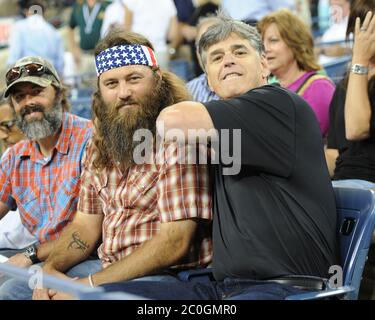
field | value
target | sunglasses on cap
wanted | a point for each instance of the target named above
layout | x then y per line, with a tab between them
31	69
6	126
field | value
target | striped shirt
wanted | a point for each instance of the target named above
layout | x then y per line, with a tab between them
199	89
135	202
45	190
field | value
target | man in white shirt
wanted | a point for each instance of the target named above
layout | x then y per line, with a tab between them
157	21
114	16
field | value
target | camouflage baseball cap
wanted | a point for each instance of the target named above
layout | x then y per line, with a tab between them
24	71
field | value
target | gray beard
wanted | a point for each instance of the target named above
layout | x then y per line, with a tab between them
39	129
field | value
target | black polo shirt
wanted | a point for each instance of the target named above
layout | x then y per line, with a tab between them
277	215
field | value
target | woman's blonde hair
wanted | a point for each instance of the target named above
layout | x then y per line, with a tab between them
296	34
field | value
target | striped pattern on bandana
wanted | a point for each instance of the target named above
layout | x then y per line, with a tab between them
124	55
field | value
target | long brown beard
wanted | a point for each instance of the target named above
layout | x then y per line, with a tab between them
118	129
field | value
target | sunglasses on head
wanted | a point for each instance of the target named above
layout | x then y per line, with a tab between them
31	69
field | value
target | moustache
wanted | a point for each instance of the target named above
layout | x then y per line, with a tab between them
124	103
30	109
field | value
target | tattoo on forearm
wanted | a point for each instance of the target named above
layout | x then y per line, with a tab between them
77	243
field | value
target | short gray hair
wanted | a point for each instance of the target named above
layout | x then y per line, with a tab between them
222	30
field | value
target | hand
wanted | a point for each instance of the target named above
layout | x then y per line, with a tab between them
45	293
364	39
56	295
20	260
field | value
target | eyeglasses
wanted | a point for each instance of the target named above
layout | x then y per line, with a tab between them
6	126
31	69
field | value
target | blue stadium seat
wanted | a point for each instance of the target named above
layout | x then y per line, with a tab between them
356	223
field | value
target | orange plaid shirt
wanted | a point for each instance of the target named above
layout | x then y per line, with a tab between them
45	190
134	204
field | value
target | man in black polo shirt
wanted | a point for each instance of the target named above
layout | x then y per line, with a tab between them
276	217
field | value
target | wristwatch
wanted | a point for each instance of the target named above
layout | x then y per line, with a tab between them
359	69
31	253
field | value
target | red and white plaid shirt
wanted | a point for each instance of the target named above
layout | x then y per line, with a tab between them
137	201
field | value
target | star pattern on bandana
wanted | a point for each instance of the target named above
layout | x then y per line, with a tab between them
124	55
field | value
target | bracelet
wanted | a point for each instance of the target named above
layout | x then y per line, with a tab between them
90	281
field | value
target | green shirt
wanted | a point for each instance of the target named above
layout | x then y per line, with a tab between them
88	40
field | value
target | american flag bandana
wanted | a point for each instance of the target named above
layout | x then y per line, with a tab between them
124	55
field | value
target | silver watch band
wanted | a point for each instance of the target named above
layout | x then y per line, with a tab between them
359	69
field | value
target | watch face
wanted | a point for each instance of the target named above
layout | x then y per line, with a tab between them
356	68
30	251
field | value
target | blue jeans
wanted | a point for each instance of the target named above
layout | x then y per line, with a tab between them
15	289
353	183
229	289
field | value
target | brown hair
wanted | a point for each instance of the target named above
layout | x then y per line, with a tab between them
174	88
62	92
296	35
358	8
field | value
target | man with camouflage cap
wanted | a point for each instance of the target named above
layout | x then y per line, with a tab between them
40	175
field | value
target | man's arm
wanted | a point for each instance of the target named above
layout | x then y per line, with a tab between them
43	250
128	19
74	47
76	242
20	259
164	250
184	116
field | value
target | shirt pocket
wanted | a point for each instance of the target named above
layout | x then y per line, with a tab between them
141	190
70	186
67	194
27	200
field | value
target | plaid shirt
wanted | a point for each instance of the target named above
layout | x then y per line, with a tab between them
45	190
136	202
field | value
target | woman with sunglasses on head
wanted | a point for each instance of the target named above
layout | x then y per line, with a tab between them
350	151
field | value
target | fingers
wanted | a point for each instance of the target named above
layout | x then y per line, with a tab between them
52	293
371	26
41	294
366	22
357	26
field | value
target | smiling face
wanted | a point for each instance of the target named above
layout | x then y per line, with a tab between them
130	98
38	110
279	56
125	88
234	67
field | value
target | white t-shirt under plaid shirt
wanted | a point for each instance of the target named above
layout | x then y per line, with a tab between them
137	201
